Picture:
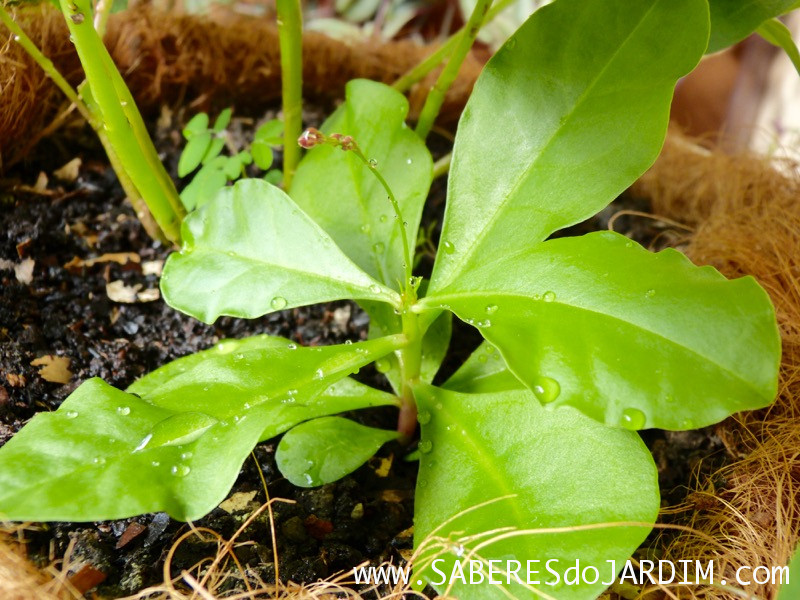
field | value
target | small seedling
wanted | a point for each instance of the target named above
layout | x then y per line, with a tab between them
204	150
530	451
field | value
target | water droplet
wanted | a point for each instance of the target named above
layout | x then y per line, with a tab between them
144	442
278	303
246	405
238	356
424	417
408	161
155	463
348	342
373	163
650	293
512	41
309	479
687	424
180	470
382	365
16	38
491	309
633	418
378	248
383	218
425	446
99	460
549	296
375	289
123	103
319	374
186	455
71	414
484	324
490	349
123	410
629	244
546	389
291	346
449	248
483	358
365	228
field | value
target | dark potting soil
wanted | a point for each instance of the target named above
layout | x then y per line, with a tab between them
66	311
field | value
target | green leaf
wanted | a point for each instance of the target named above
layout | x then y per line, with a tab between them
341	194
270	132
222	121
197	124
484	371
584	89
777	34
274	177
233	167
252	251
324	450
629	337
108	454
216	146
262	155
499	465
790	588
191	157
734	20
205	185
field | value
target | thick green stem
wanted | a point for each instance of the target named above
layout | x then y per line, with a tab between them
410	357
442	52
435	99
290	36
122	123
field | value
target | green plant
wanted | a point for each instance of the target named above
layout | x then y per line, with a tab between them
204	150
529	452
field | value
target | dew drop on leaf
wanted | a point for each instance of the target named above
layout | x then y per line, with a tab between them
491	309
425	446
178	429
319	374
71	414
549	296
365	228
379	248
449	248
99	460
546	389
278	302
650	293
186	455
123	410
633	418
383	218
155	463
180	470
383	365
291	346
375	289
424	417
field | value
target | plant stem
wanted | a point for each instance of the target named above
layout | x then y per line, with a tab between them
442	166
122	123
435	99
103	10
410	357
442	52
290	36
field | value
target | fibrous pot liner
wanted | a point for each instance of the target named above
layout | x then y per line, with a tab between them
746	216
197	62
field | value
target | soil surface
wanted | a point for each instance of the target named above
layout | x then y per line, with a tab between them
63	309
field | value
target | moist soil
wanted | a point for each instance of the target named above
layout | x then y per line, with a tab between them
66	311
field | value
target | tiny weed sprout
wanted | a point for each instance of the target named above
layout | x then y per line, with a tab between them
530	451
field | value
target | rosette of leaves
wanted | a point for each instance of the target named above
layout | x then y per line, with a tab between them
530	451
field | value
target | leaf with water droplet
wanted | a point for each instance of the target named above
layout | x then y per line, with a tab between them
326	449
699	349
521	467
227	266
401	158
